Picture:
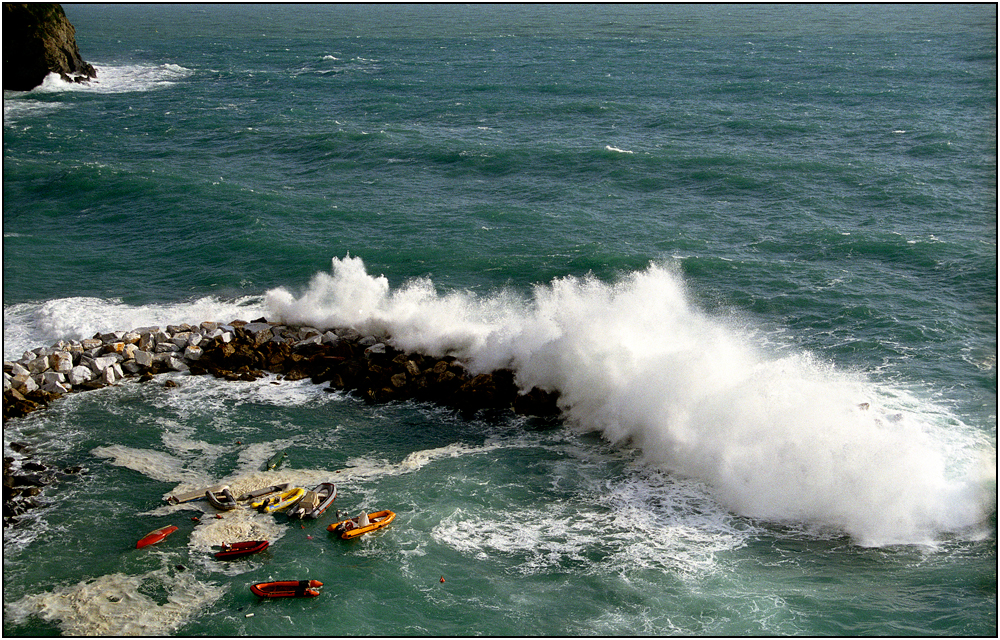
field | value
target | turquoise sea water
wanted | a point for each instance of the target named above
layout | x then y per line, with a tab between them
715	230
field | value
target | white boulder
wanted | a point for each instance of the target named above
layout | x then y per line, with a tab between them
143	358
181	339
80	374
39	364
61	361
102	363
17	369
24	383
55	387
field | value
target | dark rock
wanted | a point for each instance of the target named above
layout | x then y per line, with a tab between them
16	405
537	403
37	40
8	513
29	480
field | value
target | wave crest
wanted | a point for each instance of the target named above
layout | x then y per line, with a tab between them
786	439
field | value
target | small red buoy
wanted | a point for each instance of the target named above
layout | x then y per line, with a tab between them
196	519
442	578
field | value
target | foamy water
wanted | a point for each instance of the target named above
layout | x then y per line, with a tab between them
111	79
786	439
115	604
768	252
30	325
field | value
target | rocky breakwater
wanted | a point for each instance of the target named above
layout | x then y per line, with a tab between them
343	359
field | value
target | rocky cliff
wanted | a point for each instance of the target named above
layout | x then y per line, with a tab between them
38	40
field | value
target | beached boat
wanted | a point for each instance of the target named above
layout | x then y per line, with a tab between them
280	501
365	523
315	501
259	493
287	589
196	494
240	549
155	536
274	461
222	499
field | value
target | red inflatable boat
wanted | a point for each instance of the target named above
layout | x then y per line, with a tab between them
287	589
240	549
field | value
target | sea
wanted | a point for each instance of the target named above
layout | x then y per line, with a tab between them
752	247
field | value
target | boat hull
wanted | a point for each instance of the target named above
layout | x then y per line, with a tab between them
188	496
315	502
260	493
287	589
241	549
281	502
348	529
222	500
155	536
274	461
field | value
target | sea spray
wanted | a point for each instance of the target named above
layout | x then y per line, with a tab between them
82	317
787	439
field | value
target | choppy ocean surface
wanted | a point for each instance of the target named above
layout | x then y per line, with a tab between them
716	230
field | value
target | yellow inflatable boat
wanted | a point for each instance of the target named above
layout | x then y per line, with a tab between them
279	502
365	523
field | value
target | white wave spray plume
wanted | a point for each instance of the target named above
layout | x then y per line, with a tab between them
786	439
77	318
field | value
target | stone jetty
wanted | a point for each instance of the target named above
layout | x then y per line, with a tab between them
343	359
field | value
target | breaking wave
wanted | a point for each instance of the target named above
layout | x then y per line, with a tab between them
787	439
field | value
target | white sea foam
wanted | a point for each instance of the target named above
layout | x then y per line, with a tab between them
780	438
119	79
209	399
16	108
673	527
30	325
155	464
237	525
22	105
115	605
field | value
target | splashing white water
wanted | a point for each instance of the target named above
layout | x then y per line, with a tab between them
77	318
119	79
785	439
23	106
